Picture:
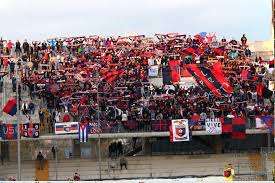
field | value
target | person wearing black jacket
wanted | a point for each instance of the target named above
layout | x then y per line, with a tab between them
40	158
18	50
2	159
243	40
26	47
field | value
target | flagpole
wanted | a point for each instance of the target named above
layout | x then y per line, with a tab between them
98	123
18	126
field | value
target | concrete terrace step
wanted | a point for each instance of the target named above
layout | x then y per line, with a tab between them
155	166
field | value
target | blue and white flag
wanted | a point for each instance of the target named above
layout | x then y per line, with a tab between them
83	132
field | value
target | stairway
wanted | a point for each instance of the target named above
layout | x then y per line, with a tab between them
256	165
42	175
255	161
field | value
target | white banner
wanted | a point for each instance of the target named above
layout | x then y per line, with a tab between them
66	128
180	130
213	126
153	71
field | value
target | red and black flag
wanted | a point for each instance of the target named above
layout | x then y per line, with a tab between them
197	73
218	73
234	126
112	76
218	51
212	78
175	70
226	125
238	128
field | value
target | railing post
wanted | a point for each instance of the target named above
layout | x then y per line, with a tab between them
99	157
56	169
18	127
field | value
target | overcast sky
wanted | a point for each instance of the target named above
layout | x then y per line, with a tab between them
40	19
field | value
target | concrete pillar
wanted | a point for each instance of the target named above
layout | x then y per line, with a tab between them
146	146
94	149
217	144
12	151
104	145
76	148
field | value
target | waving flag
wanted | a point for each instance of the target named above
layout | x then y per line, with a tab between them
213	78
196	72
203	34
112	76
190	51
210	76
175	70
83	132
218	51
10	107
218	73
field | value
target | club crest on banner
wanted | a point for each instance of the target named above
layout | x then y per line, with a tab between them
180	130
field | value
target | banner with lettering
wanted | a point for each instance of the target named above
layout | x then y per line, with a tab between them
8	131
213	126
30	130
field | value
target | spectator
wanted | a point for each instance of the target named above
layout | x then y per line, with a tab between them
243	40
76	176
53	152
2	159
18	50
40	158
123	163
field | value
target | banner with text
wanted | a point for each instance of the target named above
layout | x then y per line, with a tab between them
213	126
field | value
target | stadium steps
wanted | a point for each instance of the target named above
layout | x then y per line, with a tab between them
138	166
10	170
270	163
256	165
42	175
159	166
255	161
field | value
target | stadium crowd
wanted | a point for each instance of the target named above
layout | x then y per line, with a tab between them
107	79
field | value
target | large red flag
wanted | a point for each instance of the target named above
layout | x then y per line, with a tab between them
113	75
174	68
218	73
199	76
